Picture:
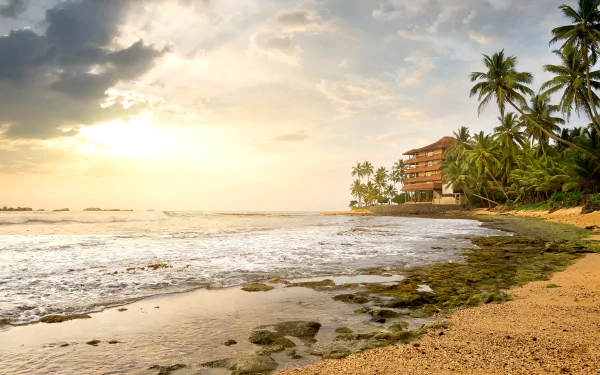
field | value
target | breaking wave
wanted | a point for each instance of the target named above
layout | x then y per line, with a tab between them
79	217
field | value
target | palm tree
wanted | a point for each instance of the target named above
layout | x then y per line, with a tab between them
570	77
482	156
582	33
458	175
399	172
510	138
504	83
367	170
380	179
541	111
357	190
357	171
457	150
390	192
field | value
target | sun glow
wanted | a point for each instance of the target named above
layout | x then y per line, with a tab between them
136	138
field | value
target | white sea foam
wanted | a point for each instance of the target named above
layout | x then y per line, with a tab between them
59	266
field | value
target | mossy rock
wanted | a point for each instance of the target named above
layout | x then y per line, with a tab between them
93	342
299	328
316	285
384	313
343	330
168	370
257	287
245	365
63	318
362	310
351	298
398	326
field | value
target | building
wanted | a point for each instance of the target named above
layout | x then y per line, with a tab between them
424	178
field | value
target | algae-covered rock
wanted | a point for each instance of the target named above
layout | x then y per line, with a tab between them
316	285
257	287
246	365
272	342
168	370
397	326
343	330
4	321
300	328
230	342
346	344
384	313
362	310
426	312
63	318
93	342
351	298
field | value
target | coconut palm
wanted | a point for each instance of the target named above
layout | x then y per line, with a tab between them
357	171
456	151
505	84
367	170
390	192
582	33
542	112
399	172
570	78
483	155
357	190
511	139
457	174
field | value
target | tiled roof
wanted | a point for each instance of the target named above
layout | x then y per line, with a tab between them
443	143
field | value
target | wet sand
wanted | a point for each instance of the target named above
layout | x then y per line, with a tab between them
542	331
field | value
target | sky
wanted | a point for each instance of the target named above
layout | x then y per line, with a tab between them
239	104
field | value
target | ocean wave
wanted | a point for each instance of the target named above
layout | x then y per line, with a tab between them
79	217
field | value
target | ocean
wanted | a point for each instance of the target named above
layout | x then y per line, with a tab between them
79	262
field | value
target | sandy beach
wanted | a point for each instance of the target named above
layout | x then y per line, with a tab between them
542	330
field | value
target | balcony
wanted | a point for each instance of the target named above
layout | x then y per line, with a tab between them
427	186
435	177
422	159
430	168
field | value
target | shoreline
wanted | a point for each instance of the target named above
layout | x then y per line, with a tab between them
377	293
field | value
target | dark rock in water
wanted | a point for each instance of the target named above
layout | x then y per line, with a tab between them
247	365
113	342
230	342
362	310
63	318
437	248
93	342
377	319
4	321
167	370
121	309
271	341
316	285
65	345
298	328
383	313
157	307
351	298
343	330
257	287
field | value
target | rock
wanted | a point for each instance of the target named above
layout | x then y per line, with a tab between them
362	310
121	309
383	313
397	326
256	287
271	341
113	342
168	370
230	342
377	319
4	321
93	342
65	345
316	285
351	298
299	328
273	280
63	318
246	365
343	330
346	344
290	351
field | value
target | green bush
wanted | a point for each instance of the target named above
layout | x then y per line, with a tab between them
595	198
568	199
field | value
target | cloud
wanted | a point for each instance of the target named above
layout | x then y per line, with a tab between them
53	83
281	48
296	18
292	137
13	8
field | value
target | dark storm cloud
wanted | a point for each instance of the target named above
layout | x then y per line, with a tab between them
13	8
59	79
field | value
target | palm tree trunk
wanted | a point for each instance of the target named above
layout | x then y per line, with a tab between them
596	127
589	85
489	200
551	135
499	186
